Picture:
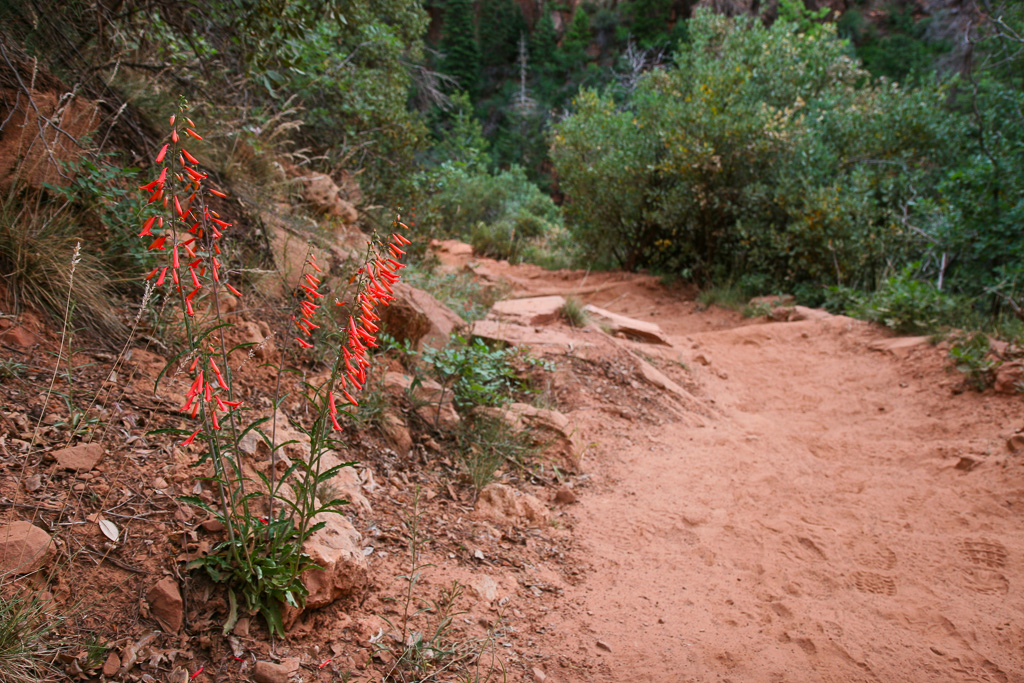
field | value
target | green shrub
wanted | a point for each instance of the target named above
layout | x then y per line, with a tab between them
500	214
970	355
474	373
762	150
907	305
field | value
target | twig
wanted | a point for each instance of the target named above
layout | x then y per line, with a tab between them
111	560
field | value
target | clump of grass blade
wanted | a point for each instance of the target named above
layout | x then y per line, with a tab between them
37	238
486	443
573	312
28	646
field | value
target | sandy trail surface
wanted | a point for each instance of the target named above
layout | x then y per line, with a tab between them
837	513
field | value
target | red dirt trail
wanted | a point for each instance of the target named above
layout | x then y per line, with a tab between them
836	514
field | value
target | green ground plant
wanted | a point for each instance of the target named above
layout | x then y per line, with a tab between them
971	355
475	374
488	443
907	304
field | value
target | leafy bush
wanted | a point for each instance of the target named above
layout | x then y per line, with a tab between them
970	355
499	214
476	374
907	305
762	150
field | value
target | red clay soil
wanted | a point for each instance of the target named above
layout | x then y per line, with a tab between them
838	513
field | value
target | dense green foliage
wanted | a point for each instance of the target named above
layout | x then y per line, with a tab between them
766	155
460	49
344	61
762	150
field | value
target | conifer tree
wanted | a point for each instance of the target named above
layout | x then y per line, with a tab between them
501	24
544	42
650	22
577	40
458	43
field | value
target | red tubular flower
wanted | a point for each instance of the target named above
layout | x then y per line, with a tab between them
233	290
349	398
158	243
163	151
303	344
146	226
334	423
190	439
189	131
174	136
160	280
197	383
184	153
216	193
213	418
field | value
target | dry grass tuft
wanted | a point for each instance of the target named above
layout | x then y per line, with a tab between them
27	646
37	240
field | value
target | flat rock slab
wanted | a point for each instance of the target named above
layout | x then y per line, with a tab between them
899	346
271	672
629	327
80	458
804	313
538	310
522	335
501	503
